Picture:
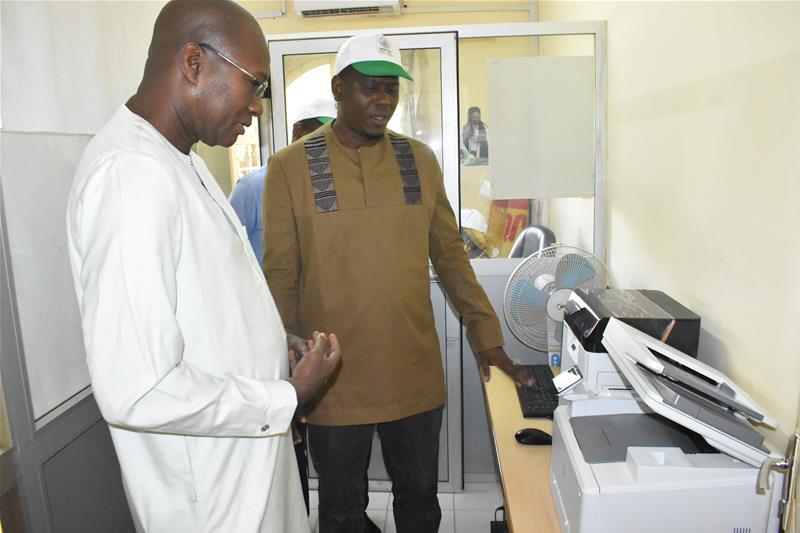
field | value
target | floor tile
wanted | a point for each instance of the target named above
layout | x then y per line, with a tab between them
448	524
378	516
313	499
482	487
473	521
445	501
379	500
390	526
481	496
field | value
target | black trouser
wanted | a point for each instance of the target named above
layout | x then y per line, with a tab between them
411	454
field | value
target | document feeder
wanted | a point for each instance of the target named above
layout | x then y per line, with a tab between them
586	315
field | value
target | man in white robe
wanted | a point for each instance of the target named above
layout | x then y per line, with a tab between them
186	349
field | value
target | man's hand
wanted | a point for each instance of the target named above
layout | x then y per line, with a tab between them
298	347
313	368
497	357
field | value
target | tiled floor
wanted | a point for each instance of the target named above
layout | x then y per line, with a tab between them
466	512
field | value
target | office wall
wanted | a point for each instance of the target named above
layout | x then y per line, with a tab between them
89	57
703	122
68	65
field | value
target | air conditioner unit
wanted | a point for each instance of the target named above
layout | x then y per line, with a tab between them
329	8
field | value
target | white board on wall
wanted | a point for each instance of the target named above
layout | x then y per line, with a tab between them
36	178
67	66
541	140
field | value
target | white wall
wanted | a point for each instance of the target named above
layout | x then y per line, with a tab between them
703	175
66	66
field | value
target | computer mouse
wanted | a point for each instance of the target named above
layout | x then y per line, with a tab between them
533	436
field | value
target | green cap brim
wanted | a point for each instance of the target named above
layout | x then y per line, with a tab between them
381	68
325	120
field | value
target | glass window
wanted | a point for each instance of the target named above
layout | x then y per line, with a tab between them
245	155
526	143
228	165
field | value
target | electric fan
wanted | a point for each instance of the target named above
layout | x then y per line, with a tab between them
538	288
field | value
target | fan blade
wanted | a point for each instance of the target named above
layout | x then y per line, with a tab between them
526	296
573	270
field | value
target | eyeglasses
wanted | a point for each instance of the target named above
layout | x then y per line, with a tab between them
261	86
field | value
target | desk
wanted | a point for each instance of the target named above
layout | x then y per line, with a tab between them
524	470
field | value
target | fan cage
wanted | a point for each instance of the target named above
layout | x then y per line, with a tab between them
536	279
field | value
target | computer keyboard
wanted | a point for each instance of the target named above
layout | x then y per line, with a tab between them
542	399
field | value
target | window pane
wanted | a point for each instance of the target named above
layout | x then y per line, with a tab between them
527	143
245	154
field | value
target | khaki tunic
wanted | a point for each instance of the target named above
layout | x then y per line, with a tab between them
361	271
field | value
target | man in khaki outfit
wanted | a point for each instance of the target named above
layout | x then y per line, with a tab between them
353	212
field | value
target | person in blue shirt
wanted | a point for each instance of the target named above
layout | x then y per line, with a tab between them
247	197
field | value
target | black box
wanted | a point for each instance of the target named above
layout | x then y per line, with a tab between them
587	312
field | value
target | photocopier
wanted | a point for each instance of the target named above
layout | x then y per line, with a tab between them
653	439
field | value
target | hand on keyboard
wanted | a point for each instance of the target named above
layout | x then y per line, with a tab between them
541	399
497	357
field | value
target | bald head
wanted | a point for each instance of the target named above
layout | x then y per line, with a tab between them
223	24
206	66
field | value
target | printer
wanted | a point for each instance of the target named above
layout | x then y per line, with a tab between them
674	450
586	314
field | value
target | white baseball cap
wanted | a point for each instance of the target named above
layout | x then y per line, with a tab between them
371	54
322	109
